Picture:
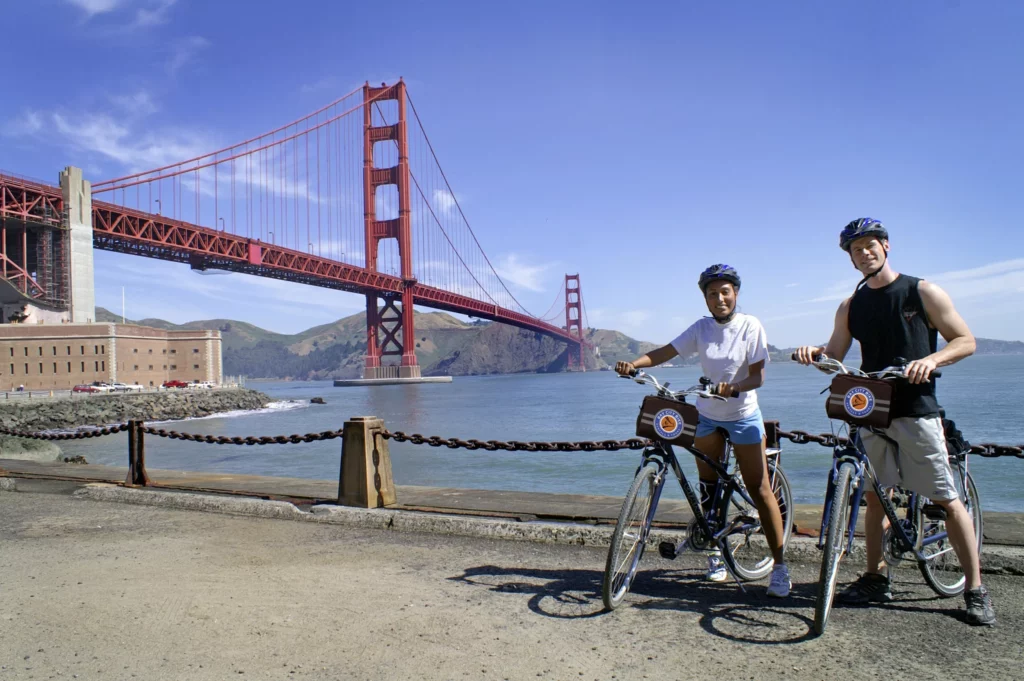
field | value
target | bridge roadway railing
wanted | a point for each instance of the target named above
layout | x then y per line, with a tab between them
365	469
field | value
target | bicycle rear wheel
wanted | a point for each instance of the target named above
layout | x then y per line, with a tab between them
835	547
942	569
630	537
751	556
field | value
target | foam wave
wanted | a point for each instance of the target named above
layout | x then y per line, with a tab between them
271	408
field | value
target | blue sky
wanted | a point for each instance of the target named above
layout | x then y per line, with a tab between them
634	145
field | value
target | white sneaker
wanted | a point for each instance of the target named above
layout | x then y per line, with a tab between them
780	584
716	569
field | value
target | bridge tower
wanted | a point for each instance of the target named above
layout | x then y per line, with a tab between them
390	319
574	321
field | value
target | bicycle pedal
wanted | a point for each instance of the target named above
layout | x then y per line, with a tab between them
668	550
934	512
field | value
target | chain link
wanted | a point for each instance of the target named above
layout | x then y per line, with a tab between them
77	435
516	445
800	437
248	440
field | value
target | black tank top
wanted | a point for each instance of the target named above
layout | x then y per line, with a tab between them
890	322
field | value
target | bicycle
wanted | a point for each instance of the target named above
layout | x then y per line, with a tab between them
730	525
921	534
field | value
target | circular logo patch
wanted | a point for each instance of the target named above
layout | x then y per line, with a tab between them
859	402
668	424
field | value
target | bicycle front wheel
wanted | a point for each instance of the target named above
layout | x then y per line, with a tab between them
751	556
835	547
630	536
941	568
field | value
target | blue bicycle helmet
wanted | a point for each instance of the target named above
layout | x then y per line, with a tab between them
861	227
719	272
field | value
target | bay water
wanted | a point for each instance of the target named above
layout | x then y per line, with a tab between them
980	394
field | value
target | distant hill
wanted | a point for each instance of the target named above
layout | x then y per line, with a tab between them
444	346
985	346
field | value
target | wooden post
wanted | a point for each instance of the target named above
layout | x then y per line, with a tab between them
137	475
365	478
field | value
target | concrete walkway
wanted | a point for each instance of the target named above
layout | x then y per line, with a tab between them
1006	529
92	590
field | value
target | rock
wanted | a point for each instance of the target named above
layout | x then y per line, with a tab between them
75	459
317	400
29	449
101	410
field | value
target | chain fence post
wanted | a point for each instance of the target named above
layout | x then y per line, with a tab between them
364	478
137	475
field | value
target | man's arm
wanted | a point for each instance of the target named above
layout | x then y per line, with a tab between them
942	314
838	345
651	359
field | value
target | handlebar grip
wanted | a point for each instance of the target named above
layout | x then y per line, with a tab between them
814	358
936	374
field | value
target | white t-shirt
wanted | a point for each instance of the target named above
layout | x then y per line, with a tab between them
726	353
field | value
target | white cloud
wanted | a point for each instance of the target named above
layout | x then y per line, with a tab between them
997	277
327	83
184	51
155	15
627	321
94	7
444	201
516	272
29	123
137	104
792	285
147	13
101	134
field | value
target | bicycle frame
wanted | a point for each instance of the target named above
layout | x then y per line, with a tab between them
663	456
854	453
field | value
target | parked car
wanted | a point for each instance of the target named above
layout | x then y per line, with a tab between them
125	388
85	389
200	385
101	387
175	384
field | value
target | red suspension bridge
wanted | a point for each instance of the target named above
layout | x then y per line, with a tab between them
350	197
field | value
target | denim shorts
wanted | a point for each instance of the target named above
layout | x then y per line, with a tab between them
746	431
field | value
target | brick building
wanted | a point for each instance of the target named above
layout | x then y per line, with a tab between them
61	356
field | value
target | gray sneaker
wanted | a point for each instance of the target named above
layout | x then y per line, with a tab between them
780	583
869	588
979	607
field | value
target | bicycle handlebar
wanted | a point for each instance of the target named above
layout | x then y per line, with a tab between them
705	389
830	365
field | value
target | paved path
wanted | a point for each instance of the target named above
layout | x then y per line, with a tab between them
109	591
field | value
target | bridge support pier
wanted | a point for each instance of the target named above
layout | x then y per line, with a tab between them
389	319
77	194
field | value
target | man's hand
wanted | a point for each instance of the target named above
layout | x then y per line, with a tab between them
624	368
808	353
920	370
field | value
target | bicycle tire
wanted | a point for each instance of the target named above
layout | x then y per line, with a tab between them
945	577
835	542
753	560
630	537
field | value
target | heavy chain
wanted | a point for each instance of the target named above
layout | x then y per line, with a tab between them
77	435
516	445
801	437
248	440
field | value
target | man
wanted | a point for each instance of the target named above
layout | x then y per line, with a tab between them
895	315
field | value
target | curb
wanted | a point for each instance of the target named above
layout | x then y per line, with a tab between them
995	559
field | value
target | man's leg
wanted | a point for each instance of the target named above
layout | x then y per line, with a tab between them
875	525
960	527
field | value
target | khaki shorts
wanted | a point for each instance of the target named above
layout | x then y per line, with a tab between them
922	465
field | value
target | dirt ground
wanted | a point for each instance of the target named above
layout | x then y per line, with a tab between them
91	590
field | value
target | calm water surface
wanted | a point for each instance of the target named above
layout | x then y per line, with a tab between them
977	393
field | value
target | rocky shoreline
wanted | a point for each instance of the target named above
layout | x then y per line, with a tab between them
101	410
